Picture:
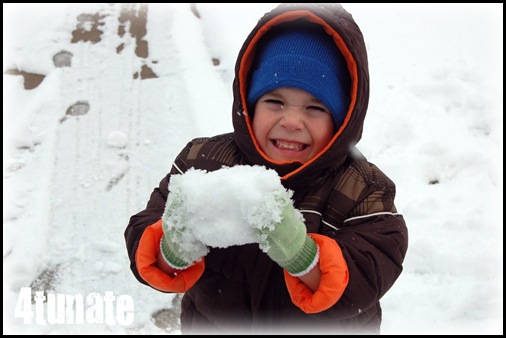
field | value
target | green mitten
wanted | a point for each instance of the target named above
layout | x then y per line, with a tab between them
180	254
179	246
288	244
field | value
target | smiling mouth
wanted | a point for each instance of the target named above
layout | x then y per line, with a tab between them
289	145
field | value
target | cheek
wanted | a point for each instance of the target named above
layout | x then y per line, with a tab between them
322	135
260	127
258	132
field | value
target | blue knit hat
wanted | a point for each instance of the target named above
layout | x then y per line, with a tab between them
306	58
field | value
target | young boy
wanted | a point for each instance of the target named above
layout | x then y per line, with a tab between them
300	98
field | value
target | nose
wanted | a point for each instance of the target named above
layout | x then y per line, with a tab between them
292	118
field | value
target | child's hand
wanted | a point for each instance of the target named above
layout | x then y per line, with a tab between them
179	246
286	242
180	249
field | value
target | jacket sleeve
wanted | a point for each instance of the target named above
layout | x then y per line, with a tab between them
143	234
372	235
146	259
142	220
333	282
372	240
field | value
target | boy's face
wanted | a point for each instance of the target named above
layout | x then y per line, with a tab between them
291	124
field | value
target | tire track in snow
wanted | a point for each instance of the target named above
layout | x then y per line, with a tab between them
91	186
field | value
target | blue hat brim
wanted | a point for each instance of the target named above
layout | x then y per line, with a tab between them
303	73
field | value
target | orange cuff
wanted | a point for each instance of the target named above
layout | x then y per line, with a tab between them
145	260
333	281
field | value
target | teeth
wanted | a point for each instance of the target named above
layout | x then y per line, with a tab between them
290	146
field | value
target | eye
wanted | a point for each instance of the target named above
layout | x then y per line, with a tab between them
274	104
317	108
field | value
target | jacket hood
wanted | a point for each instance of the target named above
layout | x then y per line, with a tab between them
338	23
